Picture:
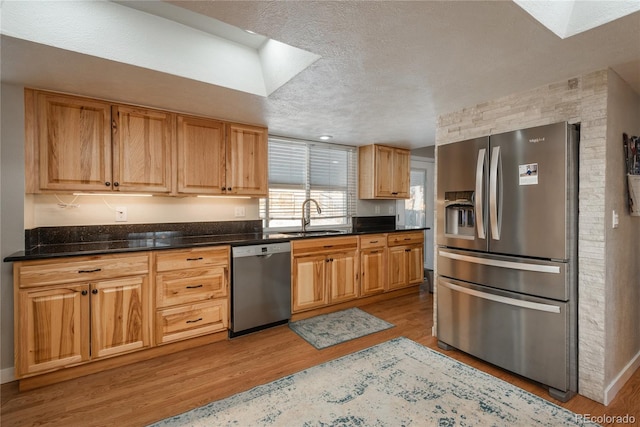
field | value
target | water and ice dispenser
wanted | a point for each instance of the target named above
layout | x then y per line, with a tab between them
460	214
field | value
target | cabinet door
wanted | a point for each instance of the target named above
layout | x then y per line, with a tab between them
247	160
398	266
201	156
342	276
119	316
142	144
401	173
415	258
372	271
384	171
74	138
52	328
309	282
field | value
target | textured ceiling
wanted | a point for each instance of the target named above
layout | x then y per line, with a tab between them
387	69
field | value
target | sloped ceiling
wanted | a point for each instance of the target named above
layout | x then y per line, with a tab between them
386	70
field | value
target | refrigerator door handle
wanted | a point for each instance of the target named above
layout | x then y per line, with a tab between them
495	199
479	198
539	268
504	300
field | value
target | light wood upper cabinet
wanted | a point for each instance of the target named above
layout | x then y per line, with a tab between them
80	144
73	140
142	141
201	156
218	158
383	172
246	160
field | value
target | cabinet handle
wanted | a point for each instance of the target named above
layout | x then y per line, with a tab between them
373	241
407	250
108	184
94	291
90	271
407	238
194	287
374	252
84	292
395	193
328	246
194	259
194	321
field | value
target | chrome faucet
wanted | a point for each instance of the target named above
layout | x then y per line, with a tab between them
306	221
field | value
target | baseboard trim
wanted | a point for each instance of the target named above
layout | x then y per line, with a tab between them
619	381
7	375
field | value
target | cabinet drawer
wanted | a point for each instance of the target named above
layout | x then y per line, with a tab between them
80	269
373	241
192	258
179	287
188	321
408	238
324	245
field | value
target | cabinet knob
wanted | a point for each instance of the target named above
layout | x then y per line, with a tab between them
94	291
116	184
228	188
224	188
108	184
84	292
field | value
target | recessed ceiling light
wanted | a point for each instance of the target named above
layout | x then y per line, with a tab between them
325	137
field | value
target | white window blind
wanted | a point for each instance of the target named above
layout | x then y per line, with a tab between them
299	170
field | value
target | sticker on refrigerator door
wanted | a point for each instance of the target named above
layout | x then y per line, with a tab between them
528	174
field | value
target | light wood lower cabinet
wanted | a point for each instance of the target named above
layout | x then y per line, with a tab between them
373	264
406	259
192	289
72	312
324	271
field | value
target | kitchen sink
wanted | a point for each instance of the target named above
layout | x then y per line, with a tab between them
310	233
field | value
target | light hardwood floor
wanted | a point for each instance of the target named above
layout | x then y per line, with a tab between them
149	391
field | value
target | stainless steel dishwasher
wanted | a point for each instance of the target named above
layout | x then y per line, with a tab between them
260	287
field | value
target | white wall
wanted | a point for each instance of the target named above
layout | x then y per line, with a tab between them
44	210
11	206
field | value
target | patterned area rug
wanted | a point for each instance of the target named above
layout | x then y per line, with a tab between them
396	383
333	328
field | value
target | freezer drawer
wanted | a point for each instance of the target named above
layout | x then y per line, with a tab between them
547	279
529	336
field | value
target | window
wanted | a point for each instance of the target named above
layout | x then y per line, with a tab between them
300	170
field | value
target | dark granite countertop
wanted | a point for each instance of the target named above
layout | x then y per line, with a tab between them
83	242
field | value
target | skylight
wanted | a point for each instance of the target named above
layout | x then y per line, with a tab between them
568	18
161	37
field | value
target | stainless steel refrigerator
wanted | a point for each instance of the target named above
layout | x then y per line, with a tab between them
507	252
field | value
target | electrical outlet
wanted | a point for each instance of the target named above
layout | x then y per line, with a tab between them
392	210
121	214
240	213
615	219
376	209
